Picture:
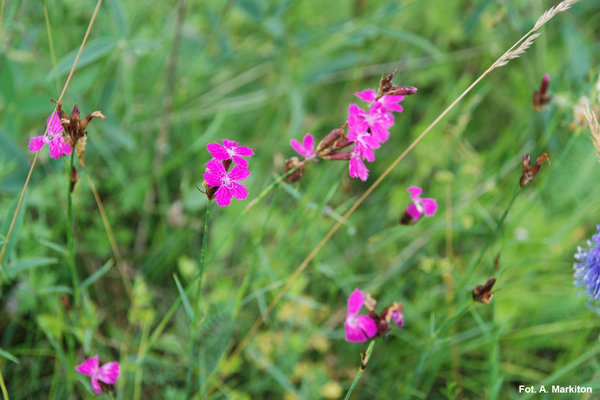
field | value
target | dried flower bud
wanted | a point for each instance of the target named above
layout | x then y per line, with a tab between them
343	155
84	122
81	144
290	164
331	138
530	171
541	97
370	304
403	90
484	294
73	178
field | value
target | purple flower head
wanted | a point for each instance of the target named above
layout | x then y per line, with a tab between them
398	317
587	267
420	206
359	328
217	176
56	142
107	373
307	148
230	150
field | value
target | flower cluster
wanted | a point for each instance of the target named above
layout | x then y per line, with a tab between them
360	328
220	182
64	133
107	373
367	131
418	207
587	266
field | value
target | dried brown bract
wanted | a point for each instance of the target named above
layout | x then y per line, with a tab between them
530	171
290	164
484	294
541	97
387	87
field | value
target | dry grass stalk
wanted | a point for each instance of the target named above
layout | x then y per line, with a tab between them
563	6
511	55
592	122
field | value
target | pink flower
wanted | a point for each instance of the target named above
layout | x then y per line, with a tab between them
359	328
420	206
216	175
108	373
306	149
390	102
56	142
230	150
377	120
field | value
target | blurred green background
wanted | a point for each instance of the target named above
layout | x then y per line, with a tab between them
261	73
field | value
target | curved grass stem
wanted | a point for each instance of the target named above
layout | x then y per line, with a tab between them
363	365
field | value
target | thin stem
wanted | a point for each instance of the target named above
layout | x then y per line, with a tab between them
51	43
111	237
1	18
70	226
20	202
2	384
364	361
195	330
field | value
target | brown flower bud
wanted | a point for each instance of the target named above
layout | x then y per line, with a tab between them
530	171
290	164
483	293
343	155
331	138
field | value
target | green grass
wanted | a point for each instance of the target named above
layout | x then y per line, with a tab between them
262	73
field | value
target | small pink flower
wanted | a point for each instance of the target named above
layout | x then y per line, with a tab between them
230	150
378	120
359	328
216	175
307	148
420	206
56	142
108	373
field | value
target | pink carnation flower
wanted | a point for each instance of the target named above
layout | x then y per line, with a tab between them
56	142
108	373
230	150
307	148
216	175
359	328
420	206
378	120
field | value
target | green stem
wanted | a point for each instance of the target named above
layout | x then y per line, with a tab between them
364	361
3	387
70	228
195	330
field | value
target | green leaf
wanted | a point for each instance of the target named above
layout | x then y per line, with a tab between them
93	50
25	264
8	356
98	274
184	299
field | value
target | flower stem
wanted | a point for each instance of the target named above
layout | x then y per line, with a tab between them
195	330
70	226
364	361
3	387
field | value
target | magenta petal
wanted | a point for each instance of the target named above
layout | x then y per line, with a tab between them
297	146
309	142
223	197
358	169
230	144
36	143
240	161
88	367
414	212
368	95
238	191
214	173
109	372
415	192
96	385
244	151
239	173
398	318
217	151
429	206
355	301
53	124
360	329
